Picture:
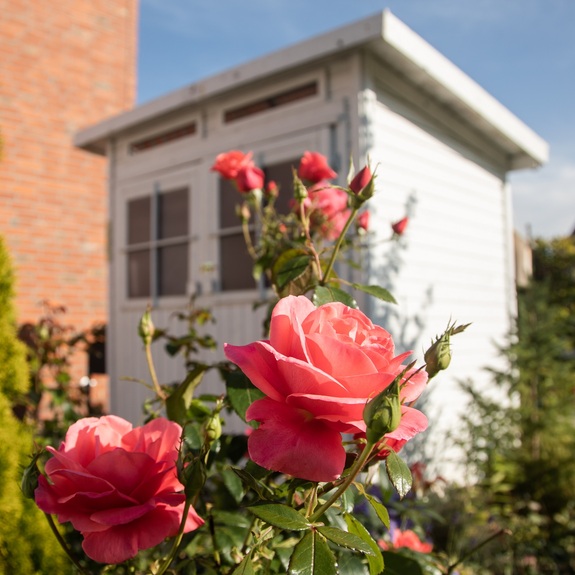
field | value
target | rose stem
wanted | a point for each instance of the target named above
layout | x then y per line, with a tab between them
152	369
177	540
353	473
63	544
338	245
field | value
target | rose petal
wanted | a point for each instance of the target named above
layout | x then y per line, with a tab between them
412	423
286	334
290	441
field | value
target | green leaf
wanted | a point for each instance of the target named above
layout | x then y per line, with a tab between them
180	399
376	560
241	392
345	539
376	291
397	564
233	484
329	294
280	516
350	564
246	567
398	473
291	265
249	480
312	556
377	505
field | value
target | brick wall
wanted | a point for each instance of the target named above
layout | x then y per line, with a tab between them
64	65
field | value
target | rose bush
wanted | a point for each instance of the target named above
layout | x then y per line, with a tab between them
318	370
117	485
328	208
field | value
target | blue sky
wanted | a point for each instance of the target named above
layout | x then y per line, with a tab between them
521	51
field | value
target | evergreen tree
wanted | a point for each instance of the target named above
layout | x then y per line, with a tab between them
26	542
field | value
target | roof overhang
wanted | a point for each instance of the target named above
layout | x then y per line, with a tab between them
393	42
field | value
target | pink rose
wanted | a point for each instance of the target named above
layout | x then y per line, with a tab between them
407	539
249	177
399	227
313	167
318	370
331	206
229	163
117	485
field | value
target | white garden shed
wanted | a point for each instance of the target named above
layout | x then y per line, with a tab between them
443	148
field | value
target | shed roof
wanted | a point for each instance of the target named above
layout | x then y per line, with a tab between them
392	41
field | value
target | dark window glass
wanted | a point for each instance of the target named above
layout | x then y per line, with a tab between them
235	264
173	214
139	220
282	175
139	275
173	269
229	199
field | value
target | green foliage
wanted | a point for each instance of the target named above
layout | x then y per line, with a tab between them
522	453
26	544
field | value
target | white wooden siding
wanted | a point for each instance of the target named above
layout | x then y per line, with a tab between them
453	258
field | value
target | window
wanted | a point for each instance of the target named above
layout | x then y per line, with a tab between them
235	263
157	258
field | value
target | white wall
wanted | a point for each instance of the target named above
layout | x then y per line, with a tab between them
453	263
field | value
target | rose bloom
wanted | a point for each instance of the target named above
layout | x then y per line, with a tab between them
318	370
331	205
117	485
229	163
313	167
249	177
407	539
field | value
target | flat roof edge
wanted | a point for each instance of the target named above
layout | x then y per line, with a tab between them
382	27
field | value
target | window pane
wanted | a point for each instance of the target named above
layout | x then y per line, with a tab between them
235	264
282	175
139	211
173	270
139	273
229	199
173	214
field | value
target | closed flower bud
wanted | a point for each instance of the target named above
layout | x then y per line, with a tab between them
399	227
193	477
363	185
438	356
382	414
243	212
30	477
272	190
212	429
299	190
146	328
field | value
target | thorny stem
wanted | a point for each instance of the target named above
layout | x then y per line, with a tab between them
501	531
177	541
305	222
338	245
248	240
353	473
63	544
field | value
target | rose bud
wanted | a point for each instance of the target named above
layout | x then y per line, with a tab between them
438	356
146	328
363	221
399	227
382	414
363	185
272	190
